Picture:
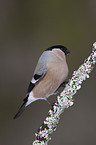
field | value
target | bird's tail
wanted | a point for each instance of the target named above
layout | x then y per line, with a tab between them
27	100
20	110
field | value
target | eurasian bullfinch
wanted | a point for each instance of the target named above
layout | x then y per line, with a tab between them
51	71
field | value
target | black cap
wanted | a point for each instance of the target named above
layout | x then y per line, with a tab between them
61	47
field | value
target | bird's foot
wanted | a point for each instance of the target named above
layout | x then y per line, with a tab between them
64	84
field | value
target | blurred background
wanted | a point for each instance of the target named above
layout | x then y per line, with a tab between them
27	28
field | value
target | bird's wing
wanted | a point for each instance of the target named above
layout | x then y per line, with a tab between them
38	75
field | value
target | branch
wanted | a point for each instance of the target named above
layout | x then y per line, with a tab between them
65	99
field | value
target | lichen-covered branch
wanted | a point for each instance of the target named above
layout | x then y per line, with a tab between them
65	99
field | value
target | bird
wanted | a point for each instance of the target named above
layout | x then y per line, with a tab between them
50	73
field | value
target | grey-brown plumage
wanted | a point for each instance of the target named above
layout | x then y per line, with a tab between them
51	71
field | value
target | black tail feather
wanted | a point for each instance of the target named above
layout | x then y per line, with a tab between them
22	107
20	110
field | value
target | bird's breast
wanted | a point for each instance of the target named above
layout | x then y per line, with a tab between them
56	74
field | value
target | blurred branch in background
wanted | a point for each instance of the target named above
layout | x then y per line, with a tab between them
65	99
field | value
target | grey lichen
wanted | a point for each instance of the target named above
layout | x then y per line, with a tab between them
65	99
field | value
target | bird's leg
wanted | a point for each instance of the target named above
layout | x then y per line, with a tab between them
48	102
63	84
55	93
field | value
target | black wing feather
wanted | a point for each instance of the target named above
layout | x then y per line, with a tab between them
36	76
32	85
30	88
